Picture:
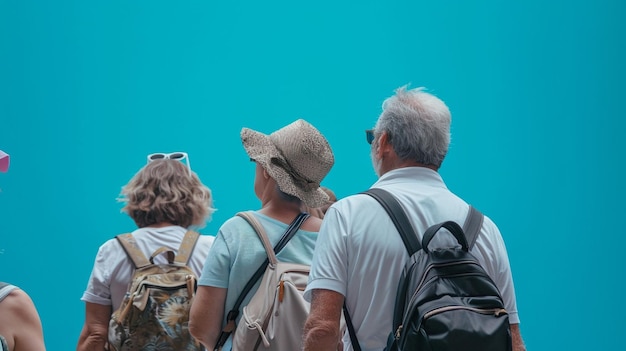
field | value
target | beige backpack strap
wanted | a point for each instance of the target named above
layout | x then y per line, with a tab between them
132	250
168	253
186	247
271	263
258	228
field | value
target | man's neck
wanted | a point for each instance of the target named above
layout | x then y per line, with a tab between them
397	164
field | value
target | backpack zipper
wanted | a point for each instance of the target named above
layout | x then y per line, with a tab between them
423	281
126	309
497	312
281	283
432	266
281	290
190	286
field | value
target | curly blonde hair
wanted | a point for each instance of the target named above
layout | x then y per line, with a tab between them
164	191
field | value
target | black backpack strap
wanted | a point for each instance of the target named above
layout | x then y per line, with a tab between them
353	339
230	326
398	216
407	233
472	225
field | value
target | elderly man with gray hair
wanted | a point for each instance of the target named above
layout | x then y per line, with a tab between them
359	255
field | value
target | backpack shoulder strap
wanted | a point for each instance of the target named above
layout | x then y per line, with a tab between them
398	216
353	338
404	227
260	231
472	225
230	326
132	250
5	290
186	247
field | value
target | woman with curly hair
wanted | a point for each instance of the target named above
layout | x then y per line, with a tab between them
165	199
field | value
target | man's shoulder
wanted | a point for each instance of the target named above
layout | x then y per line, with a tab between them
356	208
352	201
361	198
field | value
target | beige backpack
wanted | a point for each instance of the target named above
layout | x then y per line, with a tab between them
155	312
275	316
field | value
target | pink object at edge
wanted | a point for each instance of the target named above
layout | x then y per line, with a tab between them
4	161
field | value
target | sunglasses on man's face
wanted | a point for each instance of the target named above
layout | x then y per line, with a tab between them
369	135
171	156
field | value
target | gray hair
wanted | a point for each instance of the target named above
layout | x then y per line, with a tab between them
417	124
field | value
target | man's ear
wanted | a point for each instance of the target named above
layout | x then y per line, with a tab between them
382	144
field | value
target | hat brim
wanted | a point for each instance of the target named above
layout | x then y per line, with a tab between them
260	148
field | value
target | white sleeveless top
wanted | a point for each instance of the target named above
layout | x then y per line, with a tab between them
5	289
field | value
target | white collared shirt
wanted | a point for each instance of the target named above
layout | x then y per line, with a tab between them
360	254
112	270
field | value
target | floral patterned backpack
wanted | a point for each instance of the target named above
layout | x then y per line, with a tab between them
155	312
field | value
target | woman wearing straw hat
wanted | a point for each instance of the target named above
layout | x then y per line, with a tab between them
290	165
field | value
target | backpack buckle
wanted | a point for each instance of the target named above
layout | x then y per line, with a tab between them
398	331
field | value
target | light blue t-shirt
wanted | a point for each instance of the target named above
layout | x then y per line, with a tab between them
237	253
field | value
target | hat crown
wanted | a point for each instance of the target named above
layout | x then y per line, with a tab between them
297	156
305	150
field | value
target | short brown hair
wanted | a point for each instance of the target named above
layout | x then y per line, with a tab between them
164	191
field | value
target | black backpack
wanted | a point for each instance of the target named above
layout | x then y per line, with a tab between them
445	300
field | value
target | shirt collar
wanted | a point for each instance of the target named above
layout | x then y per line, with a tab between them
411	174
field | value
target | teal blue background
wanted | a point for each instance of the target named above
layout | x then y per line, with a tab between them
88	88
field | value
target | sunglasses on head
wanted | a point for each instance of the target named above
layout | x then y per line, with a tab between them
180	156
369	135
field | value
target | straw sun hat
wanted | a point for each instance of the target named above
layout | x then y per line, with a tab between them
297	156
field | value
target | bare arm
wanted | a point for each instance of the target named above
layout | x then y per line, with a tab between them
516	336
205	317
95	331
321	331
20	323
